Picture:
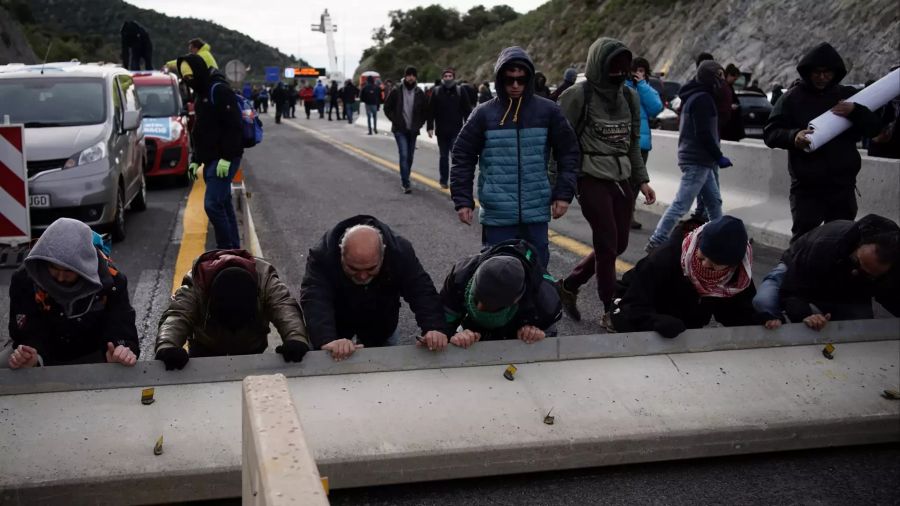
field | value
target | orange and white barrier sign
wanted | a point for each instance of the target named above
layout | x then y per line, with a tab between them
15	225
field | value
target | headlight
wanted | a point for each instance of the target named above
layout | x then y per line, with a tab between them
176	129
92	154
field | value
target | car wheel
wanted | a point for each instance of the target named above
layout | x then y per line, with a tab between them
118	224
140	200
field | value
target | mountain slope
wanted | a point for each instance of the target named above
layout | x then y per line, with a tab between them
90	29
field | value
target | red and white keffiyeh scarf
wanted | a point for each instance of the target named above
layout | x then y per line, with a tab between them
710	282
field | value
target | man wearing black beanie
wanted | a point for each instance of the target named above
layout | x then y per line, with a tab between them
689	279
406	108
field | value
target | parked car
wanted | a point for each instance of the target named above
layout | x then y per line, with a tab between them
165	125
755	110
83	141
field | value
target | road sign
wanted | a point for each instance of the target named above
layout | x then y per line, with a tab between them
273	74
15	224
305	72
235	71
289	72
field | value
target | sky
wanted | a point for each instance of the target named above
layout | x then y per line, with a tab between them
285	24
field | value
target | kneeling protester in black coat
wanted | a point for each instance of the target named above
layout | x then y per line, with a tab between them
502	293
688	280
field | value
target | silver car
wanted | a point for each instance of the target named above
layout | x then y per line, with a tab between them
84	144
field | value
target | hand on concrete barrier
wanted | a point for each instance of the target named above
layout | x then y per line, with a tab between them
668	326
724	162
559	209
772	324
433	340
465	338
465	215
648	193
341	349
292	351
530	334
817	321
174	358
120	355
192	171
801	141
222	168
23	356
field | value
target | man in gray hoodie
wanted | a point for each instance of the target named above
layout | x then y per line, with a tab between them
69	305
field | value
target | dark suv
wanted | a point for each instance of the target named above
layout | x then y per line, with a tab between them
755	110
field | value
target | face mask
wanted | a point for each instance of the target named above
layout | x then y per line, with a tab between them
448	83
619	79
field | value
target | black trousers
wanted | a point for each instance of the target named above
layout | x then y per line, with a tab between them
813	207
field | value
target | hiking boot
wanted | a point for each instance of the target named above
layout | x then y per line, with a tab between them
569	301
606	323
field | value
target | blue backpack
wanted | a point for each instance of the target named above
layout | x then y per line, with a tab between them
251	126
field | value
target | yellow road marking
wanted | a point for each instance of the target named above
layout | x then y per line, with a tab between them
193	237
565	242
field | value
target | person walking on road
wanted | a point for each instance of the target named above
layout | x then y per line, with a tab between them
319	93
699	155
448	109
540	85
333	97
224	307
280	98
292	97
354	279
370	95
349	93
607	119
507	137
484	93
68	304
568	80
406	107
217	144
502	293
823	183
651	105
307	95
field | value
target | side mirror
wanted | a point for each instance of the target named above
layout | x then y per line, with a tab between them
132	120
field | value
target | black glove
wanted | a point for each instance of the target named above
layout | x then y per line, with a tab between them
292	351
174	358
668	326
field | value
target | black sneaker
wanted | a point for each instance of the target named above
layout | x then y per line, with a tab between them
407	190
444	186
569	301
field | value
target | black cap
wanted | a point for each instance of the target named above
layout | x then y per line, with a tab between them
411	71
724	241
499	282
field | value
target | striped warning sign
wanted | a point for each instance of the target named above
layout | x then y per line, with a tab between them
14	220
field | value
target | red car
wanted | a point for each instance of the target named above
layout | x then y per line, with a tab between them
165	125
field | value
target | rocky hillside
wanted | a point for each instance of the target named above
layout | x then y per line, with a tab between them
13	44
765	37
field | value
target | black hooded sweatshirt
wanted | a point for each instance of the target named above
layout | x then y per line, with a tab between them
835	164
217	130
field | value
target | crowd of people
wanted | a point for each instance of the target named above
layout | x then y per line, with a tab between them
535	151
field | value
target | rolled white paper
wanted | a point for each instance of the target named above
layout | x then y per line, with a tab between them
829	125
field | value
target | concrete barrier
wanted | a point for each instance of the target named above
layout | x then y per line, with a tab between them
402	426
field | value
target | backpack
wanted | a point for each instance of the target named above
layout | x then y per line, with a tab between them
251	126
630	97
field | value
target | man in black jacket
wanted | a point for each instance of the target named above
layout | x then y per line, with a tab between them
823	183
406	107
689	279
370	95
448	109
834	271
217	144
69	305
354	279
349	94
502	293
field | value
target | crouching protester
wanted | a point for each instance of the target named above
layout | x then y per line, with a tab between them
833	272
502	293
68	304
224	307
354	279
689	279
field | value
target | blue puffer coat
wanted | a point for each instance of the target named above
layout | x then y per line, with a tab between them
651	105
510	140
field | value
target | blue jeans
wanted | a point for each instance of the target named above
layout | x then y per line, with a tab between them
445	144
217	202
701	207
348	110
406	145
695	180
767	300
534	233
372	117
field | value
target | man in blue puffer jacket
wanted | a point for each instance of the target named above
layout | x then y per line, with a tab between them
510	138
651	105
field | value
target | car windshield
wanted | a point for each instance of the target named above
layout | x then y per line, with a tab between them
158	101
50	102
754	101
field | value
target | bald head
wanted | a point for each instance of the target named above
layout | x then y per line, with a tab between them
362	253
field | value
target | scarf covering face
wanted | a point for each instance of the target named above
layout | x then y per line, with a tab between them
487	320
710	282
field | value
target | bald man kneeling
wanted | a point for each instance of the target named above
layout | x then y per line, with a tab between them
354	279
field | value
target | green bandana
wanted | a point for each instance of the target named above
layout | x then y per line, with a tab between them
487	320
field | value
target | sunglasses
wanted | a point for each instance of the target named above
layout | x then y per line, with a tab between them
510	80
